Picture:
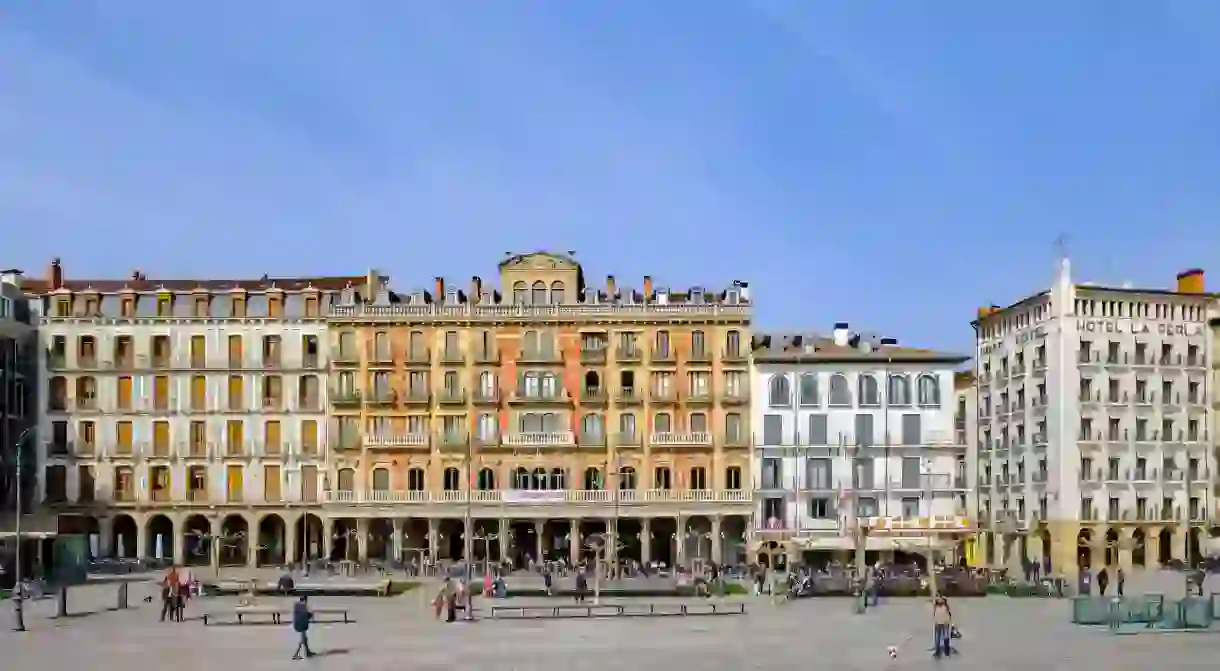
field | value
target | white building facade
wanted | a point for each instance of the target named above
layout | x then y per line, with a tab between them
1092	443
852	427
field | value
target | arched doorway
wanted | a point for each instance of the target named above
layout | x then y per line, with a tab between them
197	541
1084	549
309	537
1138	543
234	541
271	539
1194	546
123	535
1045	535
1165	547
159	539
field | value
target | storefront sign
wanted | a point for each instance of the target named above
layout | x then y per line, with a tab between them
1119	326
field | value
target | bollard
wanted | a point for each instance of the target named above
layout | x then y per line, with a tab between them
62	606
122	597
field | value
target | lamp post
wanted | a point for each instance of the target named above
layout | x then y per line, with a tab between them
18	590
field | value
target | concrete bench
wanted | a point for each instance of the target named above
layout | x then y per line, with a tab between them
276	614
685	609
570	610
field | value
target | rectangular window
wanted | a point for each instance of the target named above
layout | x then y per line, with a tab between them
161	393
773	429
123	431
235	438
818	430
237	392
161	440
234	481
864	429
309	483
271	483
818	473
236	355
124	395
912	429
911	476
271	437
309	436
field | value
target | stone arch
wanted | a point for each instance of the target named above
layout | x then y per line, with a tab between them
309	542
234	541
159	539
1084	548
1111	547
123	537
1139	542
272	541
197	539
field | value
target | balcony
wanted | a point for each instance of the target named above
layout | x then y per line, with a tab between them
451	396
664	395
399	441
381	357
699	397
540	357
736	397
594	396
416	396
525	396
591	439
629	354
419	356
453	356
700	355
624	439
540	439
593	356
486	396
346	397
488	356
733	355
499	497
662	357
454	440
345	356
628	396
680	438
381	397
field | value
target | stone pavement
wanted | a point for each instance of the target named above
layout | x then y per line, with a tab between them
400	632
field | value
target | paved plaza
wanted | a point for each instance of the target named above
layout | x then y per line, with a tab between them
400	633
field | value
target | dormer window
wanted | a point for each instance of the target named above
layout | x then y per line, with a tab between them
732	297
662	297
696	295
451	297
417	298
591	296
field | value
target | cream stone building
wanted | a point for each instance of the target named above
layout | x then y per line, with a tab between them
184	420
1095	425
545	409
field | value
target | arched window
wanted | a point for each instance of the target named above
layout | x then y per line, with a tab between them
488	427
809	390
698	478
592	426
559	478
522	479
593	478
530	423
487	479
626	478
778	391
869	394
550	422
520	294
381	479
661	478
663	423
529	343
557	293
899	392
840	392
539	293
593	381
732	477
929	391
453	479
347	479
487	384
549	388
415	479
546	344
626	425
540	478
698	422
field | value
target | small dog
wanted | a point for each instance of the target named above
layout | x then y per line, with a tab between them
892	651
148	599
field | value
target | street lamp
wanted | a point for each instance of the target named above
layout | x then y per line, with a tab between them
18	590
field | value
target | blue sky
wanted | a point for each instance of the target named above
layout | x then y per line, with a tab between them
892	164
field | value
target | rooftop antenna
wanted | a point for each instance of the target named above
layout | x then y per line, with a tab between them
1061	252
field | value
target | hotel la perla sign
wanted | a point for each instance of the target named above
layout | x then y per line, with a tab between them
1132	326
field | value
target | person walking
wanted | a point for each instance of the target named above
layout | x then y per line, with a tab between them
169	594
582	584
942	627
1103	580
301	617
1120	580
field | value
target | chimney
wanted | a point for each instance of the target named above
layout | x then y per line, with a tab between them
610	288
476	289
440	290
56	274
841	334
136	275
648	287
1190	281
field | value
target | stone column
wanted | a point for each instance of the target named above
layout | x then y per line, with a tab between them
254	538
397	527
433	539
1125	542
679	541
327	542
717	542
105	533
539	528
362	540
291	555
1180	542
1063	549
1152	548
574	541
503	537
645	541
141	538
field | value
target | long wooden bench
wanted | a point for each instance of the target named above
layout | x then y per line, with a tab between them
276	613
568	610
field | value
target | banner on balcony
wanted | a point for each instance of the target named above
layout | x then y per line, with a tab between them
534	496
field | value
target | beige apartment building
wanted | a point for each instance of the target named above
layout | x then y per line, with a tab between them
545	410
184	420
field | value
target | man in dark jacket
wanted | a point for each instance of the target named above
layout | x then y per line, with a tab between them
301	617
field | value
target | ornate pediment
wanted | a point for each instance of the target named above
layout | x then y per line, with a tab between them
539	261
